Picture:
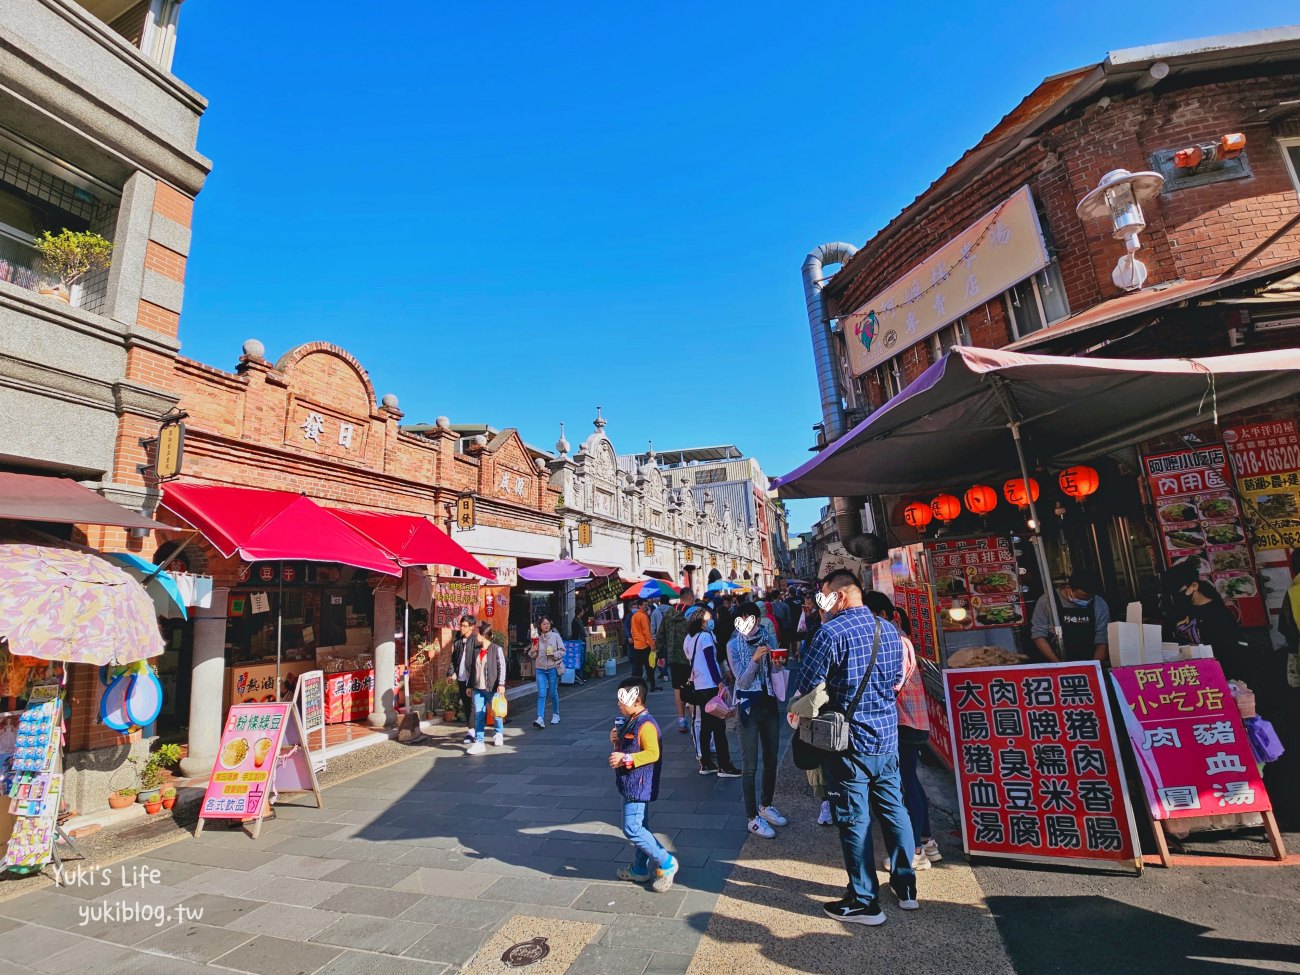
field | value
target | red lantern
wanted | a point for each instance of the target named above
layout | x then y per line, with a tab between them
917	515
1017	493
945	507
1079	482
981	499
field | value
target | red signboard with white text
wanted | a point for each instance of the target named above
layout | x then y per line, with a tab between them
1037	764
1200	518
1189	740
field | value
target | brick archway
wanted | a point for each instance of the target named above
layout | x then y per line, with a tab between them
295	355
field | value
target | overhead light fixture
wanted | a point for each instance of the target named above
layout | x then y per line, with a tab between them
1120	195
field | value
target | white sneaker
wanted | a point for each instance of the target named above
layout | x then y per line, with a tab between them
824	817
555	719
773	816
469	738
539	723
498	739
931	850
919	862
478	748
759	827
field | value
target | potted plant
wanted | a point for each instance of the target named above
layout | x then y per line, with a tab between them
69	256
169	797
449	698
151	773
122	798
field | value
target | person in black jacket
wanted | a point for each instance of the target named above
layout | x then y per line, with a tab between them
1196	613
465	640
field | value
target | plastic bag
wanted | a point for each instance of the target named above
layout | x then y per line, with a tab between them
1264	741
720	705
499	706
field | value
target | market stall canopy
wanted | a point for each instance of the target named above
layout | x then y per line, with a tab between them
412	540
564	570
32	497
265	526
70	604
952	423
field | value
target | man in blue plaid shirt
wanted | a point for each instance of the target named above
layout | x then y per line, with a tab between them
867	775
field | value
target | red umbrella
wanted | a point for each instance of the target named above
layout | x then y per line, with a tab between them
272	525
412	540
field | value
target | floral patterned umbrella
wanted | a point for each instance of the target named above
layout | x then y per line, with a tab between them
69	605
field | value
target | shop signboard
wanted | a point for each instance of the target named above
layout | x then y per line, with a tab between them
940	736
599	595
912	596
453	599
505	569
261	751
349	696
1037	764
1199	517
250	744
1189	740
981	575
1266	461
574	652
309	695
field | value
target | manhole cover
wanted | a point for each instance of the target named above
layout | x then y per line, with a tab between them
526	953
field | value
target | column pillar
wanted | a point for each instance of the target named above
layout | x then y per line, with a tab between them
207	685
385	713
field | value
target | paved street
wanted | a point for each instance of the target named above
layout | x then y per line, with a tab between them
440	863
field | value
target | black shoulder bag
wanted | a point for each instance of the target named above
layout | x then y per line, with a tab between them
828	733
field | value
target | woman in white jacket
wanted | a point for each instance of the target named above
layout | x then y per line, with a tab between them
549	655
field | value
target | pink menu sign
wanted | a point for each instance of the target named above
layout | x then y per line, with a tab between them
250	746
1189	740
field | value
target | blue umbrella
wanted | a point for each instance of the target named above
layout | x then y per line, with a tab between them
723	585
144	569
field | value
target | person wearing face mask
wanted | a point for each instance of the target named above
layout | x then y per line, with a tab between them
1196	613
859	656
760	716
1084	617
710	731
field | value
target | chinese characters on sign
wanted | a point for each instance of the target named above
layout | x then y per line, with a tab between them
1189	740
452	600
349	696
940	736
1199	518
912	596
980	573
250	745
1037	763
1266	459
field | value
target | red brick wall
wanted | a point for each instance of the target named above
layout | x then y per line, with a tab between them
174	204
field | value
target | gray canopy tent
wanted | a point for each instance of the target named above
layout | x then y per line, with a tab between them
970	415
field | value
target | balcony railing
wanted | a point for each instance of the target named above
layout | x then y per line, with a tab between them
20	265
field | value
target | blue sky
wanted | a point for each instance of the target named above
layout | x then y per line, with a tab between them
513	212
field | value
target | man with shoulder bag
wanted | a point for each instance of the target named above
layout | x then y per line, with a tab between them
860	659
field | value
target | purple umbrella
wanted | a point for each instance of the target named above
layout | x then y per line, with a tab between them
562	570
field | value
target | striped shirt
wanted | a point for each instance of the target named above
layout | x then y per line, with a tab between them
839	655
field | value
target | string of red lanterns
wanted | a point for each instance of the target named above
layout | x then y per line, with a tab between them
1079	482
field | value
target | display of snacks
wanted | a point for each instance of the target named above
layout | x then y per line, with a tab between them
984	657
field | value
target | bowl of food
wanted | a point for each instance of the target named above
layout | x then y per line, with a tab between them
233	754
1235	559
1179	511
950	585
1236	586
999	615
994	582
1218	508
1223	535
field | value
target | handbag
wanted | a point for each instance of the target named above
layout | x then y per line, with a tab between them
720	705
829	731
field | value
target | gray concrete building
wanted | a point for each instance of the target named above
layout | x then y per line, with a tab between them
96	134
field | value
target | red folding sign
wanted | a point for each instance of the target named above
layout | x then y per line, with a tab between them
1037	764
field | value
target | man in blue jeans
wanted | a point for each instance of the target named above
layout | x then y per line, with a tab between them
866	777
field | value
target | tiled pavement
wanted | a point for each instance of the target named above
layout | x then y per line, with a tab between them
411	869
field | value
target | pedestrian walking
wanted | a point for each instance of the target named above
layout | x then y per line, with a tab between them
462	651
637	763
854	650
549	657
913	736
670	637
486	672
748	654
710	731
661	609
643	644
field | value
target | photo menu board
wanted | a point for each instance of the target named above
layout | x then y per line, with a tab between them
1200	518
911	589
980	574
